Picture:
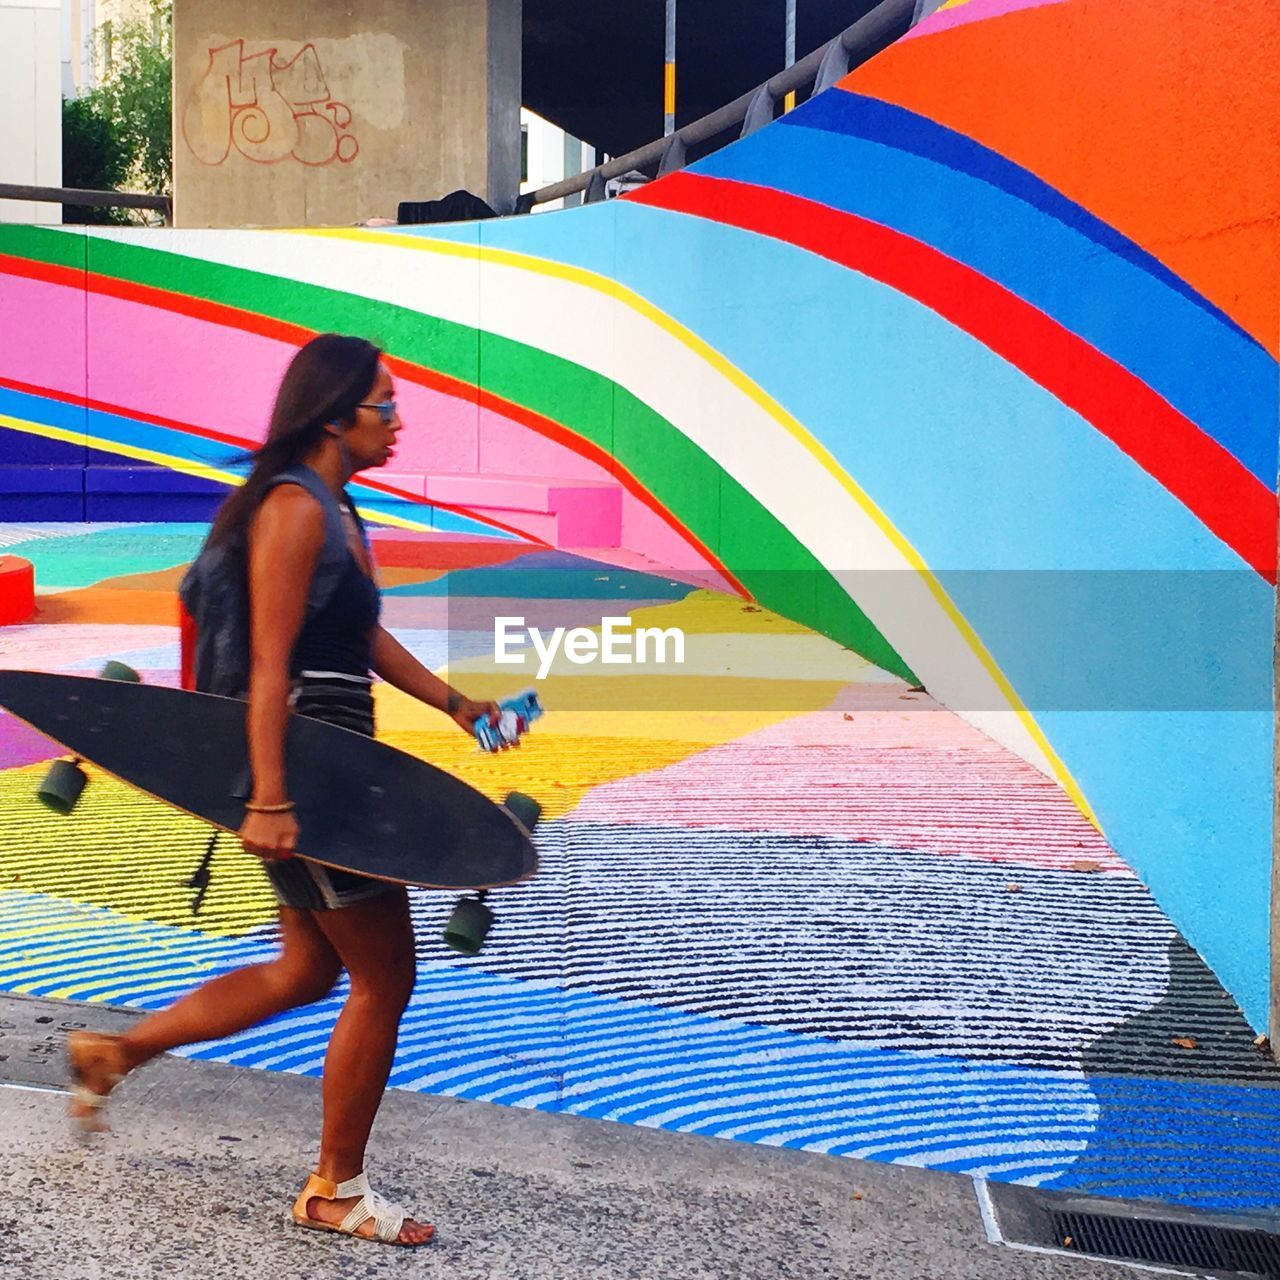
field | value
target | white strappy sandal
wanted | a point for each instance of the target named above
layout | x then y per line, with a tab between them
387	1218
80	1051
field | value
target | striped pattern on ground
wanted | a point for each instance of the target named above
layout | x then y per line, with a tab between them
850	940
124	851
72	951
80	646
471	1033
883	764
14	535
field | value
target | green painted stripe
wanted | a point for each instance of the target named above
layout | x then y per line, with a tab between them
58	248
770	561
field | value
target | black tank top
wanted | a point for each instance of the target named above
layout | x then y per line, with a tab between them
339	636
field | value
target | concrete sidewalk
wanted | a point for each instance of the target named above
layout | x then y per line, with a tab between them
204	1160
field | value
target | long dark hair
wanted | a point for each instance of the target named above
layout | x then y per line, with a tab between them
324	383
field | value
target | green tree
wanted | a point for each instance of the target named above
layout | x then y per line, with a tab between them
95	156
118	135
136	88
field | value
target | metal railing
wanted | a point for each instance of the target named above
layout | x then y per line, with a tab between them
89	199
818	71
753	110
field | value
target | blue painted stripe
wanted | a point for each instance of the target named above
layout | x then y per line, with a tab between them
857	115
1220	1137
1123	303
100	427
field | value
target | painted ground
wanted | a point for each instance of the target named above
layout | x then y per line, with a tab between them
784	899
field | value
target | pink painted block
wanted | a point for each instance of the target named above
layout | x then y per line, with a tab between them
213	377
589	518
156	363
31	314
579	512
508	448
533	524
547	494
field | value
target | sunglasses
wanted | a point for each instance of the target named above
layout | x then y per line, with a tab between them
386	409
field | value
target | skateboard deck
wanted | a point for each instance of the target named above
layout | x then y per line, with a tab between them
361	805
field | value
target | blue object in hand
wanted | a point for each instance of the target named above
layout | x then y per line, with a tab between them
517	714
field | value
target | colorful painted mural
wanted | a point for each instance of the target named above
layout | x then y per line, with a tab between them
968	365
784	897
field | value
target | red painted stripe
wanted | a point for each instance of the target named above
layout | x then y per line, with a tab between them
1213	484
295	335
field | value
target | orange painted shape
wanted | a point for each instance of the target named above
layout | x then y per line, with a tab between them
114	605
427	551
1158	116
17	590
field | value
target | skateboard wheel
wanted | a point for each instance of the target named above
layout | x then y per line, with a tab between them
62	786
468	927
114	670
524	809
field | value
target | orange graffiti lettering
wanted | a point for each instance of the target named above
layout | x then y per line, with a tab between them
268	108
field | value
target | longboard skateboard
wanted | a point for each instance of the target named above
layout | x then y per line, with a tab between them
361	805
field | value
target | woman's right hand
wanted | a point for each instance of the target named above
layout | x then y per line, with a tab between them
270	836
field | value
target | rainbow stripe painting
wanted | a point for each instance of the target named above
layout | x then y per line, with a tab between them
941	415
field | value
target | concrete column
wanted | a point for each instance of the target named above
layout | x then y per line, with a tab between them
321	113
505	24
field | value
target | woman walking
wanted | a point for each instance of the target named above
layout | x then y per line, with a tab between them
315	641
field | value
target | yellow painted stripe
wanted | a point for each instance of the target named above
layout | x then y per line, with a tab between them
176	462
642	306
669	89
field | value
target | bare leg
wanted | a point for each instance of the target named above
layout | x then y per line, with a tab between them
375	942
303	972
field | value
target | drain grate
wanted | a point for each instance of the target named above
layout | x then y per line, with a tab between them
1180	1244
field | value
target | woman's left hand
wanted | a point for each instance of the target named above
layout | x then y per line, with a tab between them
469	711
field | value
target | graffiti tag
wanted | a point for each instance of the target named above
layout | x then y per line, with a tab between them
267	108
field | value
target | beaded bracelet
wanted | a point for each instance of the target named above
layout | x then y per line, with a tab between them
286	807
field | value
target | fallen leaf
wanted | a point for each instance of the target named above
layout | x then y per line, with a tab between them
1185	1042
1086	864
857	1195
1068	1241
1013	887
847	716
